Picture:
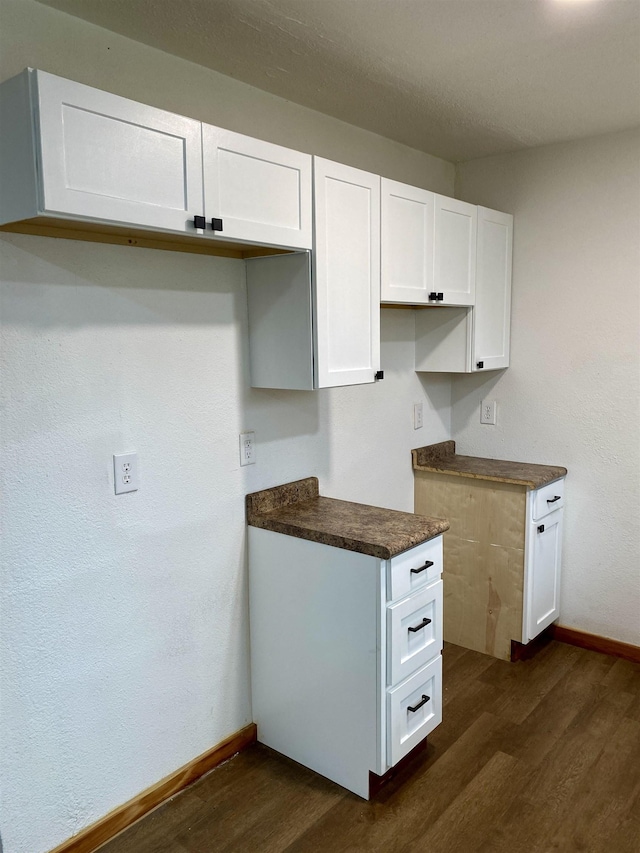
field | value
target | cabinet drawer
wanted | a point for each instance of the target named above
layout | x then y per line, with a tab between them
414	569
414	709
414	632
547	499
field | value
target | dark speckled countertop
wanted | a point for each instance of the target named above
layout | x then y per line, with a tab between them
442	459
297	509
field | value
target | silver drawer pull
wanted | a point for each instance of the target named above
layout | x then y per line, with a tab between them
422	625
427	565
554	499
424	701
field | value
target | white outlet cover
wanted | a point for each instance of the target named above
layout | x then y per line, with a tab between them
488	412
417	416
125	472
247	448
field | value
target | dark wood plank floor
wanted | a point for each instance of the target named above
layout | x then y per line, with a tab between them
536	756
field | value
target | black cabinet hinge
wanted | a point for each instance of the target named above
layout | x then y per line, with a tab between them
480	365
379	375
216	224
199	222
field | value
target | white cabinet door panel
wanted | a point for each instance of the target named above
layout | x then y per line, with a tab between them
261	191
492	312
455	251
407	243
108	158
346	274
543	573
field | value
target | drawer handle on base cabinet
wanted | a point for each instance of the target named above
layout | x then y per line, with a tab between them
427	565
553	499
422	625
424	701
541	528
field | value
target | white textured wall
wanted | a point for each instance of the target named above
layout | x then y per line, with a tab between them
124	648
572	394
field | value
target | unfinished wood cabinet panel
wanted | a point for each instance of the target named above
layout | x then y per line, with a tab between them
475	509
484	558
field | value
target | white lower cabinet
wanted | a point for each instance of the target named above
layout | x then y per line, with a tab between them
543	550
346	679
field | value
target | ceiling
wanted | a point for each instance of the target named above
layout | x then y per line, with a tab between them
460	79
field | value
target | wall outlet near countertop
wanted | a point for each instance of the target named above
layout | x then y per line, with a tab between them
417	416
488	412
247	448
125	472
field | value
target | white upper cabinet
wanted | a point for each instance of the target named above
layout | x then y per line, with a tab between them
346	274
492	312
469	339
256	192
407	243
99	157
454	251
72	152
318	325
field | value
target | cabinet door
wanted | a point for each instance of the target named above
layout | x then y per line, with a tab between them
407	243
543	573
455	251
492	312
260	191
104	157
346	274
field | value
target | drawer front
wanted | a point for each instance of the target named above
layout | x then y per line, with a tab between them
414	632
547	499
414	569
414	709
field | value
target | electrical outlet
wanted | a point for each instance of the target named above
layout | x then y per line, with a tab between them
488	412
417	415
125	472
247	449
